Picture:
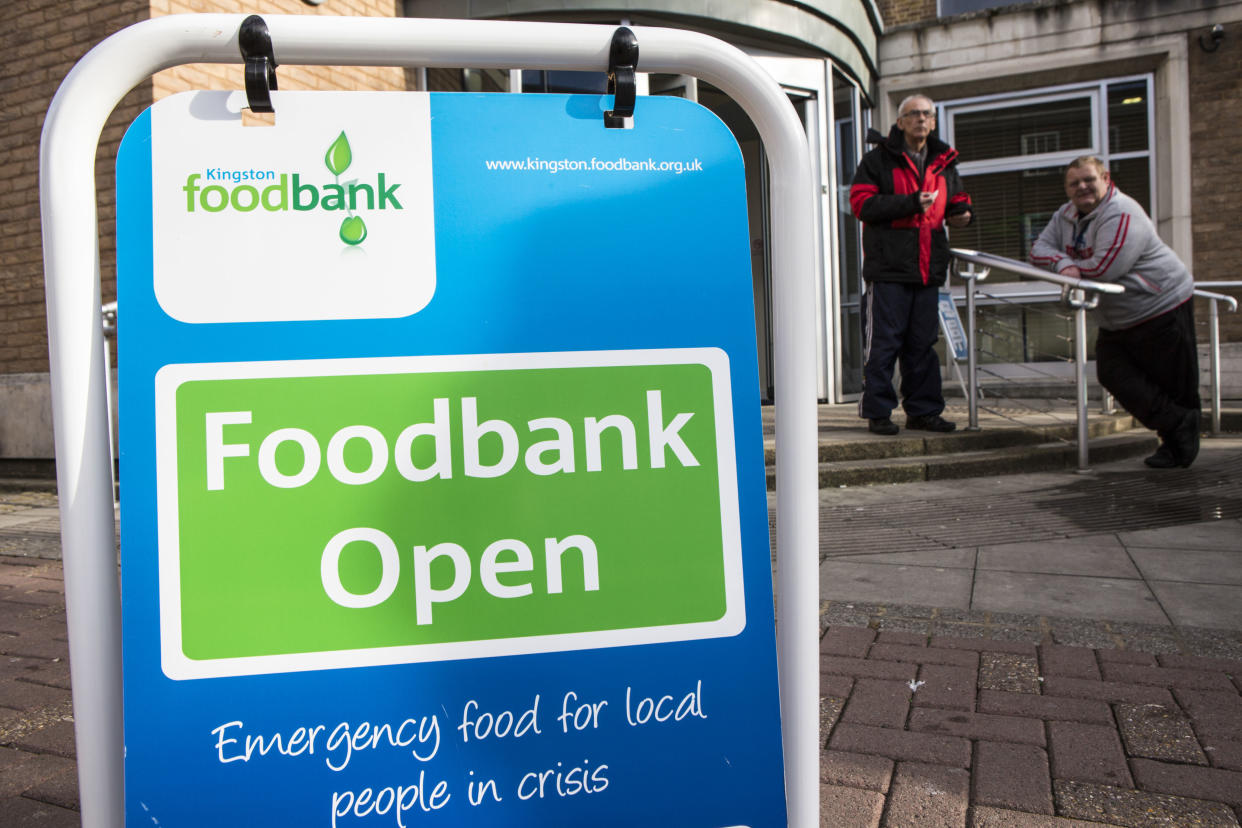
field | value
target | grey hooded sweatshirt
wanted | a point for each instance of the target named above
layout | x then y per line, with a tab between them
1116	242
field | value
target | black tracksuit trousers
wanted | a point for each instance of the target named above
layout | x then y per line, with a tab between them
1152	368
901	322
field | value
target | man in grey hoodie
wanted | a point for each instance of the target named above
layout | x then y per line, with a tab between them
1145	354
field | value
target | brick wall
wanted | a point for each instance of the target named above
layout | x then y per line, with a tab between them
1216	167
41	41
229	76
897	12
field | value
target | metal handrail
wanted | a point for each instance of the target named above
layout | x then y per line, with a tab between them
1083	296
1079	301
1214	339
1031	272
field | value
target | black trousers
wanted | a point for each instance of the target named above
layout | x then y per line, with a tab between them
900	322
1153	368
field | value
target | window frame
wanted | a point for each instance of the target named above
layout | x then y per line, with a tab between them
1096	91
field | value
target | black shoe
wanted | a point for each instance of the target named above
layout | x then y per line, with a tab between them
882	425
933	422
1163	458
1183	442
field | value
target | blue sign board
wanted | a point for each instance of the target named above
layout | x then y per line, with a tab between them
442	470
951	324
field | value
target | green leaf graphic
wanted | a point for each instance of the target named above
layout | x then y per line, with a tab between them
353	230
339	155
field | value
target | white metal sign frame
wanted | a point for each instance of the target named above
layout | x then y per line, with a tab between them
71	133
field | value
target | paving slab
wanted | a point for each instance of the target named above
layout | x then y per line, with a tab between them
928	795
1009	672
1225	535
1200	605
933	586
1087	753
1012	776
1098	555
986	816
855	770
1122	806
1119	598
1153	731
842	807
1188	565
951	558
21	812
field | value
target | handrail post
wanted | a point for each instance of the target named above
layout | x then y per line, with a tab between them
972	364
1214	358
971	277
109	323
1080	374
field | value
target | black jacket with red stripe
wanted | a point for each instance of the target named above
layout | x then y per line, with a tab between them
901	243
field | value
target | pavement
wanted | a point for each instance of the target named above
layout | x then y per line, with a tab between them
1053	649
1050	649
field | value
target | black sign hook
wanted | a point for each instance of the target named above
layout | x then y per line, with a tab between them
255	44
622	64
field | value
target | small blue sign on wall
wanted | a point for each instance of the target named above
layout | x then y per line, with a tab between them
443	468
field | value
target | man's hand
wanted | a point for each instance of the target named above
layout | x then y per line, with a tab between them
959	220
926	200
1072	272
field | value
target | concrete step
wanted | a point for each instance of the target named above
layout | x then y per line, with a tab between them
854	444
979	460
27	484
1014	460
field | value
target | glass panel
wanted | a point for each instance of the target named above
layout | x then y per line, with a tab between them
1049	333
1011	208
847	226
1127	116
849	241
1041	332
851	350
1051	126
999	329
537	80
669	85
484	80
1133	177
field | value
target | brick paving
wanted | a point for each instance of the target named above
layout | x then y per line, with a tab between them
38	776
930	716
1040	734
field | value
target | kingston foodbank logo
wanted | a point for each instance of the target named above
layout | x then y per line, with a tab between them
287	191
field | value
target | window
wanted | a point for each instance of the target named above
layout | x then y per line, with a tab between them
537	80
1013	150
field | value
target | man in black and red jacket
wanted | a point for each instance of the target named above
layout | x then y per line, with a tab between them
904	192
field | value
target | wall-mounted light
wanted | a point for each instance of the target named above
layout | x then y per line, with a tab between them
1210	42
1138	99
